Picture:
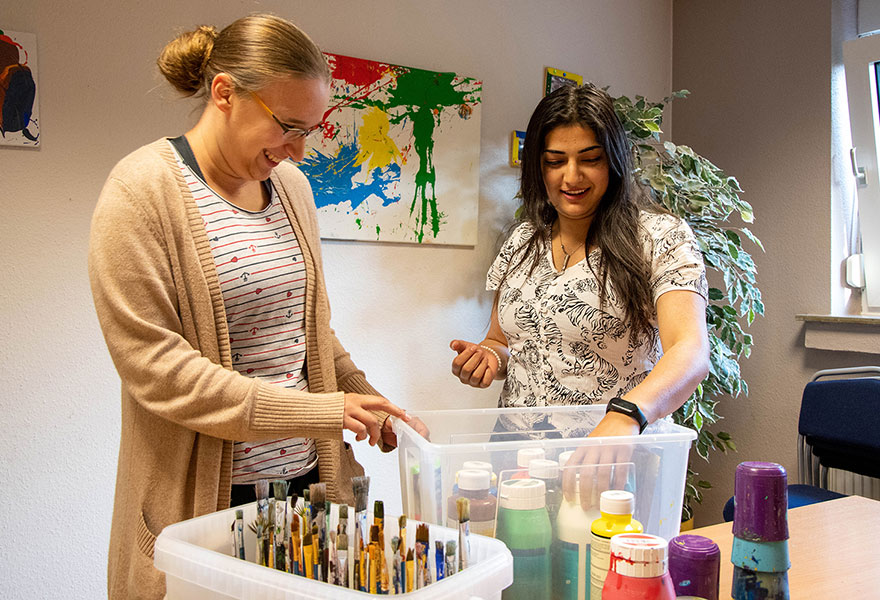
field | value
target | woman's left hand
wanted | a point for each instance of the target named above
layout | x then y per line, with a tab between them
389	438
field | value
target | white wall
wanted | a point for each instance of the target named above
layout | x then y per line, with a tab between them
396	306
760	77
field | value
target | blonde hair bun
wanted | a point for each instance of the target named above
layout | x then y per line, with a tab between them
184	59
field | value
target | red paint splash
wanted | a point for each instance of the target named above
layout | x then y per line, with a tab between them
357	71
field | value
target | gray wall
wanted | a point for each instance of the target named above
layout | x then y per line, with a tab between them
760	108
395	306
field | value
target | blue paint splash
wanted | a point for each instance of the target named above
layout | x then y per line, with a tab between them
331	178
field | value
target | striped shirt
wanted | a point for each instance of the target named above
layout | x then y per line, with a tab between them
262	279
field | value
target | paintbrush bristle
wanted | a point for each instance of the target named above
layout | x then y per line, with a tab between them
318	494
450	548
374	533
395	544
262	489
438	546
307	540
342	542
401	521
361	488
343	511
464	509
279	489
409	554
422	533
379	509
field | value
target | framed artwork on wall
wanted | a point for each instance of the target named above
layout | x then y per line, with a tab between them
517	140
556	78
19	102
399	157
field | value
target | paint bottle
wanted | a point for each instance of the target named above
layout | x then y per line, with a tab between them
474	484
694	565
548	471
571	559
616	508
760	532
523	457
638	569
524	526
482	466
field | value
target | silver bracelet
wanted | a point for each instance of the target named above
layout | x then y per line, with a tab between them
495	354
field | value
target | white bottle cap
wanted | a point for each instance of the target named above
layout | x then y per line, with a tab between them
522	494
473	479
544	468
617	502
564	456
477	464
638	555
525	455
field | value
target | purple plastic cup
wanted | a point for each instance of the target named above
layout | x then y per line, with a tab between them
760	496
694	565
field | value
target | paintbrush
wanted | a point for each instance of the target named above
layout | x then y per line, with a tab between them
308	555
439	559
279	489
342	557
294	546
464	516
361	488
318	494
410	571
380	565
372	584
396	579
238	534
288	537
450	558
423	576
327	532
261	489
333	559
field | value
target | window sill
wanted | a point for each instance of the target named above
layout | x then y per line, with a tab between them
846	333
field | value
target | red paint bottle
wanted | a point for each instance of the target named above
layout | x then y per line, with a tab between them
639	569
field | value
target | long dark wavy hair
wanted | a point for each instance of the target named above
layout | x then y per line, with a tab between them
614	229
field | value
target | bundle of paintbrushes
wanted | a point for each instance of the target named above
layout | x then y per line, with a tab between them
309	540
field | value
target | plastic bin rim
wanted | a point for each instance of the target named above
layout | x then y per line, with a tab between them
684	435
168	548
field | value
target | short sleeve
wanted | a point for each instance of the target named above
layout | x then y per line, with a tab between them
502	262
676	260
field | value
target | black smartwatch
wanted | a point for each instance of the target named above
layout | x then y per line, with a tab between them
630	409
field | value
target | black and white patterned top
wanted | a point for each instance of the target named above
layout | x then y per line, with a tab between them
564	349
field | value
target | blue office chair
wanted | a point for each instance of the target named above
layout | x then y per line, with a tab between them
838	428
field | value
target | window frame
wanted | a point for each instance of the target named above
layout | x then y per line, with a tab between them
859	58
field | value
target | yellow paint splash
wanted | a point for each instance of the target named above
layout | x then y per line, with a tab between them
374	142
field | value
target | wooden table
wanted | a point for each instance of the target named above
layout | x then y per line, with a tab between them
834	548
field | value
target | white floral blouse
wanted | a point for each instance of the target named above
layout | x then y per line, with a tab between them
564	349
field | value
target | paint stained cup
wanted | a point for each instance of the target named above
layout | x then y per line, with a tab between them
694	565
760	502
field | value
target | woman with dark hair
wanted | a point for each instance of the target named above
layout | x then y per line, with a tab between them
205	265
600	295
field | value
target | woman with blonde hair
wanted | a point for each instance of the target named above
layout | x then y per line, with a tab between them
205	265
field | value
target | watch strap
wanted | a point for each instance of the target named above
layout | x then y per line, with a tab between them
630	409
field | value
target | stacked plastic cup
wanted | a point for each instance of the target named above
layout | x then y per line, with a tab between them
694	565
760	532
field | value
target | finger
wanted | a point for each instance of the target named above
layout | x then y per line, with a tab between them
459	361
603	472
570	477
356	427
476	379
458	345
384	405
467	371
622	467
488	377
375	431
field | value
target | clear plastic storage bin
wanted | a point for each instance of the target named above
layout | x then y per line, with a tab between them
196	557
652	465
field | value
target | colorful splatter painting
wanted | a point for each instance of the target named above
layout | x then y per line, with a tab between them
399	157
19	106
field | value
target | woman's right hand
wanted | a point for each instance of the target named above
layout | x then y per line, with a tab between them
474	365
359	418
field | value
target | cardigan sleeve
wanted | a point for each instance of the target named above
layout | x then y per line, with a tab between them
132	270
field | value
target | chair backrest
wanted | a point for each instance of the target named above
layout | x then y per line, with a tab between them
839	424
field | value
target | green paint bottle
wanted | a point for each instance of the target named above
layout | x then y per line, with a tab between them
524	526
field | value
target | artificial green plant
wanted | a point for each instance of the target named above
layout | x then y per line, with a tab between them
693	188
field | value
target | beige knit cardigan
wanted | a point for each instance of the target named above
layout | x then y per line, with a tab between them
158	300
